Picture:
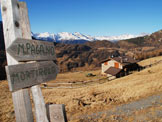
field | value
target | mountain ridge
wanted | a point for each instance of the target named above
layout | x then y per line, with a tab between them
89	54
79	38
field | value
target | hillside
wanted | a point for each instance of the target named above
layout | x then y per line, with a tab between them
79	56
87	56
90	54
155	40
95	96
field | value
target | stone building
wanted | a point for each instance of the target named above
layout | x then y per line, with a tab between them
118	66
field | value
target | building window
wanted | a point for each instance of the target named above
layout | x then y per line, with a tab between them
116	65
106	63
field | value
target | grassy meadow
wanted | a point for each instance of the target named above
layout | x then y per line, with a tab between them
95	96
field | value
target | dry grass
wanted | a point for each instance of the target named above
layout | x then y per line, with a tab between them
77	76
150	61
93	98
6	106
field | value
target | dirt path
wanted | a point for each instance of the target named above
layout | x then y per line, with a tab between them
143	110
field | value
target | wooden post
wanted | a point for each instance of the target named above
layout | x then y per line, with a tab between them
16	25
22	106
12	30
40	109
56	113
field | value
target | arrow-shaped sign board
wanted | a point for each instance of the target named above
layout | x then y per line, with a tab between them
31	50
30	74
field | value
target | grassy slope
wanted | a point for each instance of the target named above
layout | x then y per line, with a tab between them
97	97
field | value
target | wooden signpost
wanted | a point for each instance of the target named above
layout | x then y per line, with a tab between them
23	75
31	50
30	74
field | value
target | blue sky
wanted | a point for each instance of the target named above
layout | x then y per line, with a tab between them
95	17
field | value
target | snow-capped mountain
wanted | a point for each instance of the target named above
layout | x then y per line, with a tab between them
72	36
120	37
65	37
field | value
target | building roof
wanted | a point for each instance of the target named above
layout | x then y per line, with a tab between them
105	60
113	71
124	60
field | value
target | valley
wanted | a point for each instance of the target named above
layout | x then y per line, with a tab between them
87	56
80	61
90	96
99	95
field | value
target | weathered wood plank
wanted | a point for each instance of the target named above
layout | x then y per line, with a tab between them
31	50
40	110
11	28
11	25
30	74
21	100
24	20
57	113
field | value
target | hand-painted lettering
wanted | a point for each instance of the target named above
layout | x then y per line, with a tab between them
20	49
31	74
28	47
31	49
